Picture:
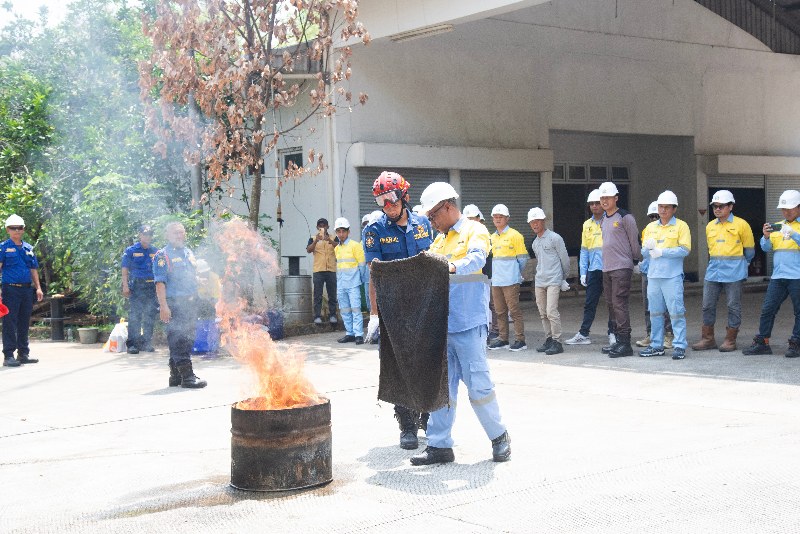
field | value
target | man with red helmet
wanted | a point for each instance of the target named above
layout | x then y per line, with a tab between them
396	234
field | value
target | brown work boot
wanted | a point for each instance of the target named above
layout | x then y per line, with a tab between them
729	345
707	342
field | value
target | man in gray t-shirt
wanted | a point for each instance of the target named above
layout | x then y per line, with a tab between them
552	269
621	250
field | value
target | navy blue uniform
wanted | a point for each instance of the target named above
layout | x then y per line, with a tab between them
176	269
18	294
385	240
143	303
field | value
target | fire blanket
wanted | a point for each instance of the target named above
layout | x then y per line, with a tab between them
413	299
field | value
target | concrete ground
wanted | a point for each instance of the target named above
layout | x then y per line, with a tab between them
95	442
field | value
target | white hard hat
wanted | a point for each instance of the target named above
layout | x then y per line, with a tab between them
417	209
435	193
536	213
652	209
789	199
365	218
594	196
16	220
471	210
608	189
374	216
667	197
723	196
341	222
500	209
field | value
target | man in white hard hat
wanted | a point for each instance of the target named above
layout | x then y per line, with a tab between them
509	257
590	263
19	271
620	252
552	270
731	248
350	274
669	336
667	241
395	233
784	239
466	245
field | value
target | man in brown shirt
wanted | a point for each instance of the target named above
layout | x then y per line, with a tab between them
323	245
621	250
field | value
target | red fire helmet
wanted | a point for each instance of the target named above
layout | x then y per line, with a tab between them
390	181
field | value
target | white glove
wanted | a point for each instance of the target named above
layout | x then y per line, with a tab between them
649	243
656	252
787	231
583	280
637	269
372	326
564	285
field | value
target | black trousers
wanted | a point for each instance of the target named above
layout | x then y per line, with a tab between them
181	328
19	301
327	278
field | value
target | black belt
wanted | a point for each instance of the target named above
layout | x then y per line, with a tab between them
143	280
18	285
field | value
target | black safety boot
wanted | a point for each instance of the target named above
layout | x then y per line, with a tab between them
794	349
608	348
408	421
423	421
555	348
760	346
188	378
25	358
9	361
434	455
501	448
174	376
546	345
622	347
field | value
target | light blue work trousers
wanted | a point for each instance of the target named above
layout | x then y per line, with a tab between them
350	309
666	294
466	361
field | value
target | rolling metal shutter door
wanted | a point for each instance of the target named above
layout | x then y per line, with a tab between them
732	182
419	179
517	190
774	186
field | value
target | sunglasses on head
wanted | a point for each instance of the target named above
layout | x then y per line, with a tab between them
16	228
390	197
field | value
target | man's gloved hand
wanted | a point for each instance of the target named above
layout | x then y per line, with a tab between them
787	231
372	326
637	269
583	280
656	252
564	285
649	243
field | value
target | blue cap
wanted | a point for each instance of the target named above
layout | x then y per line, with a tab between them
146	229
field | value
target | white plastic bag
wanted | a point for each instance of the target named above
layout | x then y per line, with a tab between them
118	338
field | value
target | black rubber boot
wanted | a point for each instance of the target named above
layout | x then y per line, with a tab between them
433	455
409	423
501	448
188	378
174	375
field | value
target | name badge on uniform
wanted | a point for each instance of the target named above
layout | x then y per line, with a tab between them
137	254
177	260
10	250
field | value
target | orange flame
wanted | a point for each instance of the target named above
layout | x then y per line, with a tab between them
280	381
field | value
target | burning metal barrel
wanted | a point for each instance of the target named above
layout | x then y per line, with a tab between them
278	450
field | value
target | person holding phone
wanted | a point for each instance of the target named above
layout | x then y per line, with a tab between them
784	239
322	246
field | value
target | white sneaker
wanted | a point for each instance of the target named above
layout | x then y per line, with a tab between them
612	339
579	339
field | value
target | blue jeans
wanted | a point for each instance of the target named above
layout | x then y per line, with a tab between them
19	301
466	361
777	291
350	308
733	292
666	294
143	307
594	288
